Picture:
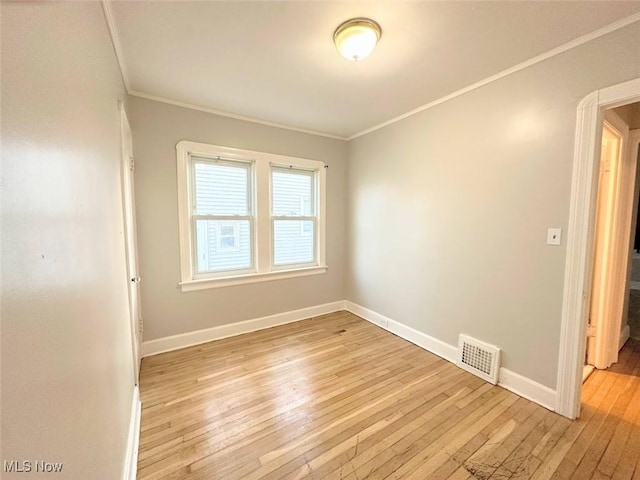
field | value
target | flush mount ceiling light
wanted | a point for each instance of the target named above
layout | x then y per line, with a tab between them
356	38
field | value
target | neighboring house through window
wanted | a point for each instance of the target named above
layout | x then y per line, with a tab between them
228	236
248	216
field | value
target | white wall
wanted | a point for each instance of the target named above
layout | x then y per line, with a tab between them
67	373
449	209
630	114
157	128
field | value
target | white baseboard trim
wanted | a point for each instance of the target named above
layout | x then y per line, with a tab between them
587	370
634	285
130	469
433	345
624	336
527	388
512	381
175	342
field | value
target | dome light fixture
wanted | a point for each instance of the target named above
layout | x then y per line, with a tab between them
355	39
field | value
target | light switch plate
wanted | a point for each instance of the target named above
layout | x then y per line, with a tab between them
554	236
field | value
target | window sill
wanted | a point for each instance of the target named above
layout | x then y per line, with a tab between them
206	283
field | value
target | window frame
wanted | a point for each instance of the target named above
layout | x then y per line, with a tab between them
262	231
302	218
194	217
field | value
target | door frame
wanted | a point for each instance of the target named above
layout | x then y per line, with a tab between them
131	251
580	240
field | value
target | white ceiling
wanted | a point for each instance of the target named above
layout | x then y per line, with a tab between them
276	62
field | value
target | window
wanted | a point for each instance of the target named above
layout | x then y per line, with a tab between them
228	237
293	206
222	215
248	216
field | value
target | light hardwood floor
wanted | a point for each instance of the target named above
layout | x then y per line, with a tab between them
336	397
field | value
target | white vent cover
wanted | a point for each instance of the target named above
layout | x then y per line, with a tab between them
479	358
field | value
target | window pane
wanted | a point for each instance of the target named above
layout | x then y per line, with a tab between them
293	242
221	189
292	192
223	245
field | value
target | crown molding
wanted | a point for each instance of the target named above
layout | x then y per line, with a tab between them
509	71
117	47
115	41
106	6
191	106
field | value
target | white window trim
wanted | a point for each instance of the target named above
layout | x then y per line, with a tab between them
262	245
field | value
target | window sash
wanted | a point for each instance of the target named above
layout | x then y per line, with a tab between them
293	217
194	216
245	164
313	200
197	274
313	217
314	238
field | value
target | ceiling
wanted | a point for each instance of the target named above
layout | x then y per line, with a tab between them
276	62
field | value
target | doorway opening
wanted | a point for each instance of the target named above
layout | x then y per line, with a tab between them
581	240
614	238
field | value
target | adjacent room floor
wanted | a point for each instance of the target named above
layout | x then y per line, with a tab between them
336	397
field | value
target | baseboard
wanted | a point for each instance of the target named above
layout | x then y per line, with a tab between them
512	381
634	285
175	342
527	388
587	370
130	469
624	336
433	345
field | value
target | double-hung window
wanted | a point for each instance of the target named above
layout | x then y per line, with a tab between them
222	218
248	216
293	217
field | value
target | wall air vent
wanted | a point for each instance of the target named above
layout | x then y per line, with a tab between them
479	358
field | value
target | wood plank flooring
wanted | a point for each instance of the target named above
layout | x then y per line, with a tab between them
336	397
